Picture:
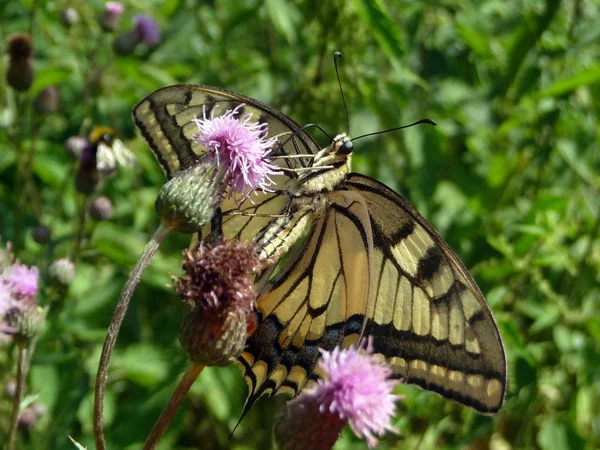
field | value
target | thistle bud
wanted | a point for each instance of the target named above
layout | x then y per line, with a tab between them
47	100
19	75
41	234
100	209
31	415
75	146
125	43
111	18
62	272
187	202
69	17
19	46
219	293
26	321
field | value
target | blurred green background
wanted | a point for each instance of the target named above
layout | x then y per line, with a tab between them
510	177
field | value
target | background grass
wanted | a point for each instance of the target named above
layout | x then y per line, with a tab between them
510	177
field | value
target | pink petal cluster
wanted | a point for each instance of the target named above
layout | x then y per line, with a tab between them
115	8
18	291
358	389
242	147
22	280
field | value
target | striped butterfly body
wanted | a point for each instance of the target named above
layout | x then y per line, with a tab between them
353	259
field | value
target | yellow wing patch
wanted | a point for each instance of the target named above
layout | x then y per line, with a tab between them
430	319
317	300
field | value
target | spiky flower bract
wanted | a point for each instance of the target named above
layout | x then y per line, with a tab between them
219	293
355	388
240	145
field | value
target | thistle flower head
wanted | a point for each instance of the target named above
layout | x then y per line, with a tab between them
22	280
355	389
62	272
111	17
145	29
220	275
218	290
241	146
19	313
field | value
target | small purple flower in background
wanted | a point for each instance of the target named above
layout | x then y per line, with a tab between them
75	146
145	29
19	313
111	17
242	147
356	389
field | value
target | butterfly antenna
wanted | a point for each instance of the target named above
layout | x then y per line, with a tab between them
336	56
418	122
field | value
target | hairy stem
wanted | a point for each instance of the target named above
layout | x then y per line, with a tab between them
172	407
113	329
21	375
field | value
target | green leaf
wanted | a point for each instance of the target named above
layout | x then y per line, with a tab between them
558	434
563	86
385	30
284	17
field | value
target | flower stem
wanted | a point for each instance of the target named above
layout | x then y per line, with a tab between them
79	228
21	375
115	324
190	375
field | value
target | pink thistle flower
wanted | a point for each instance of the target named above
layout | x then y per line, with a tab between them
111	17
6	300
116	8
22	280
355	388
242	147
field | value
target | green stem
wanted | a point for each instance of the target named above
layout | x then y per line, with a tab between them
184	386
21	375
79	228
113	329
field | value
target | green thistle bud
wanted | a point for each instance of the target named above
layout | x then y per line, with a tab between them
27	322
69	17
213	337
187	202
62	272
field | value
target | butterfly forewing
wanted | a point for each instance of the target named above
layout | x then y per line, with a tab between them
429	318
165	119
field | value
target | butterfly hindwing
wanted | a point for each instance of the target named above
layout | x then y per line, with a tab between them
165	119
429	318
315	301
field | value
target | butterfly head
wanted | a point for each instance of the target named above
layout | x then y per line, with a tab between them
342	144
330	167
